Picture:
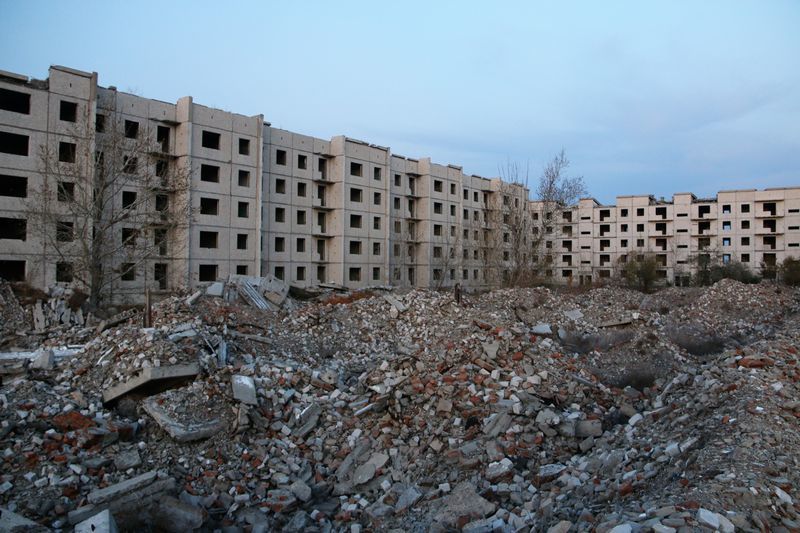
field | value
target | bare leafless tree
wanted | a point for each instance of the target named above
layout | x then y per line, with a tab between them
523	231
112	199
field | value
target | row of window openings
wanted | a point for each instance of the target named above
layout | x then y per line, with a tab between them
210	174
210	206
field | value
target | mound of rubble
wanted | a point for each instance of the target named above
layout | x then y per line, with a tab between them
518	410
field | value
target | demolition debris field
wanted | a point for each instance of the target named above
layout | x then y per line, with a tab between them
519	410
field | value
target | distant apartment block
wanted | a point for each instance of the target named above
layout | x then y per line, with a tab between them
261	200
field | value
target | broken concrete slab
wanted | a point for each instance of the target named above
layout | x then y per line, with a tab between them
102	522
127	459
215	289
244	389
152	380
44	359
10	521
171	514
574	314
589	428
394	302
179	431
542	329
463	505
118	489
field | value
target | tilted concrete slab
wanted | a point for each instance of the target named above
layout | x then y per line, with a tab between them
178	430
151	381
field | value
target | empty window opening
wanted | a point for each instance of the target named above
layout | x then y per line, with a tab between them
65	231
280	214
640	211
300	245
128	199
13	186
209	206
437	186
243	210
376	222
745	241
770	208
376	198
300	273
356	169
726	209
376	248
376	273
355	195
68	111
355	247
280	157
703	210
376	173
162	138
160	275
279	272
100	123
241	241
301	217
302	161
127	272
160	240
131	129
209	173
745	224
65	191
241	270
12	143
66	152
130	165
208	239
301	190
64	272
13	228
207	272
244	178
15	101
12	270
661	212
280	186
129	236
703	227
280	244
354	274
210	140
162	166
244	146
771	225
745	258
162	204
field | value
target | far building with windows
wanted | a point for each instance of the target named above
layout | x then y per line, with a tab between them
262	200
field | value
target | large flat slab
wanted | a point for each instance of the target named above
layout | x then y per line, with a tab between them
152	380
180	431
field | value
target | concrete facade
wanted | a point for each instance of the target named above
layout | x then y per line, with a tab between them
261	200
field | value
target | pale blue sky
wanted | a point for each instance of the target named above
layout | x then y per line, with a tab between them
645	97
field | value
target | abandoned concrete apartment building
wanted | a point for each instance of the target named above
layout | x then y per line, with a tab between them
264	200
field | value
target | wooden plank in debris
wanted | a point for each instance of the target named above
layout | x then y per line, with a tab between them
152	380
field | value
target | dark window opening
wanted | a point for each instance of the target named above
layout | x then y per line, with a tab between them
211	140
160	240
241	241
160	275
162	137
64	272
12	143
356	169
244	146
131	129
13	186
99	123
703	210
128	272
209	206
129	236
64	231
354	274
66	152
208	239
12	270
15	102
66	191
661	212
243	210
376	173
241	270
68	111
280	157
128	199
13	228
244	178
129	165
640	211
207	272
302	161
209	173
279	272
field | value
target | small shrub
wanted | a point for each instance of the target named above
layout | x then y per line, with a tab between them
733	270
641	272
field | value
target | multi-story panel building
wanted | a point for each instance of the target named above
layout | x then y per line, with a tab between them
258	200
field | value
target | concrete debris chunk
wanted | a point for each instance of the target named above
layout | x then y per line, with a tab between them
152	379
118	489
244	389
102	522
463	505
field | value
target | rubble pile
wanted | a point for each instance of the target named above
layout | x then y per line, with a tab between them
520	410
